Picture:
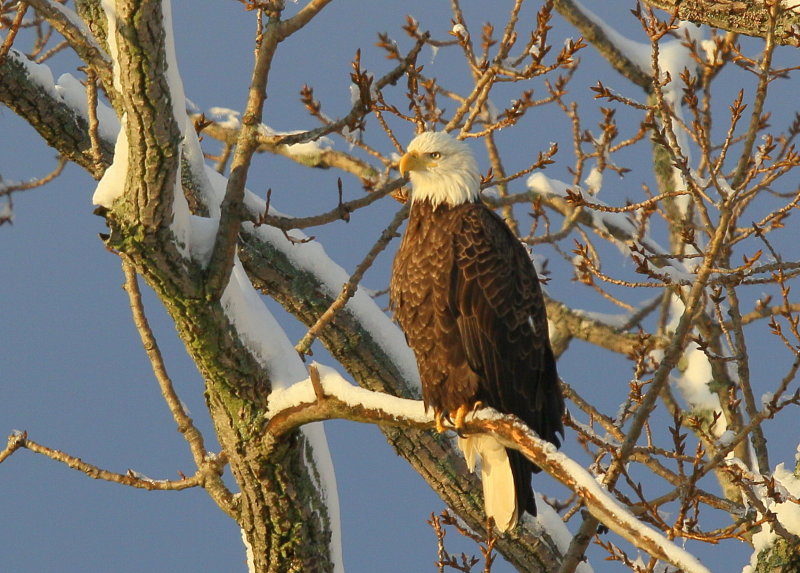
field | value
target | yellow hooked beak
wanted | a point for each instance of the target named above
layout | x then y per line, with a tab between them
413	161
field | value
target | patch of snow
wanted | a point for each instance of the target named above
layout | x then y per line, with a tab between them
459	30
434	52
612	320
260	331
355	94
251	562
40	74
181	225
490	192
636	52
726	438
787	511
551	522
593	181
73	93
110	9
6	212
540	183
323	464
112	184
694	385
710	51
203	231
334	384
225	117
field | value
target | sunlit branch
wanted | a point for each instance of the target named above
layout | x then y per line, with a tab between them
511	433
340	212
321	158
8	41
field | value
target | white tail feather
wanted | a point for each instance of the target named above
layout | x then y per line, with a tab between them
500	498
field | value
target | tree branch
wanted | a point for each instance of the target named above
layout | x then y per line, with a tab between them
221	264
357	404
595	34
746	17
212	481
20	440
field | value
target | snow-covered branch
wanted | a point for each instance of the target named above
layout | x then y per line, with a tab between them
326	395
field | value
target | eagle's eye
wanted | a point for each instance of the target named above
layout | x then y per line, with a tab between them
434	155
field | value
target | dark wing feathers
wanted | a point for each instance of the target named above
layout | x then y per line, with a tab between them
502	322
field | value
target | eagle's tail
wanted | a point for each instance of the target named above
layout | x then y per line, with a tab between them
497	477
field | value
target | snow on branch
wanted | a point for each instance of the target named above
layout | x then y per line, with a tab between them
325	394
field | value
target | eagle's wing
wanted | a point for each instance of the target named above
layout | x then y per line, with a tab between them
502	322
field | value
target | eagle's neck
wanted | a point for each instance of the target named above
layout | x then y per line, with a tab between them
451	188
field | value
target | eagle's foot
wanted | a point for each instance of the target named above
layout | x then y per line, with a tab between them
458	416
438	418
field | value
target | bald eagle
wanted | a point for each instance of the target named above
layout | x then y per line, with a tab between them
466	294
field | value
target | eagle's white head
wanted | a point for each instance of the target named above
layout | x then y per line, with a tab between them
442	169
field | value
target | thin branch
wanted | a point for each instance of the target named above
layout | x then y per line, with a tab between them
349	288
764	77
22	7
339	212
185	424
303	17
20	440
220	265
212	481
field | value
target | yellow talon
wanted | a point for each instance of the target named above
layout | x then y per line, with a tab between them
439	419
459	416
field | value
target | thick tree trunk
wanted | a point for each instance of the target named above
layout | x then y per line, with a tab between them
279	508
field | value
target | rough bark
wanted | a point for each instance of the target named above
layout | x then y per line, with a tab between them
279	508
749	18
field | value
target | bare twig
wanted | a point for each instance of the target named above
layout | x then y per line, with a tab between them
22	7
131	478
212	481
349	288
